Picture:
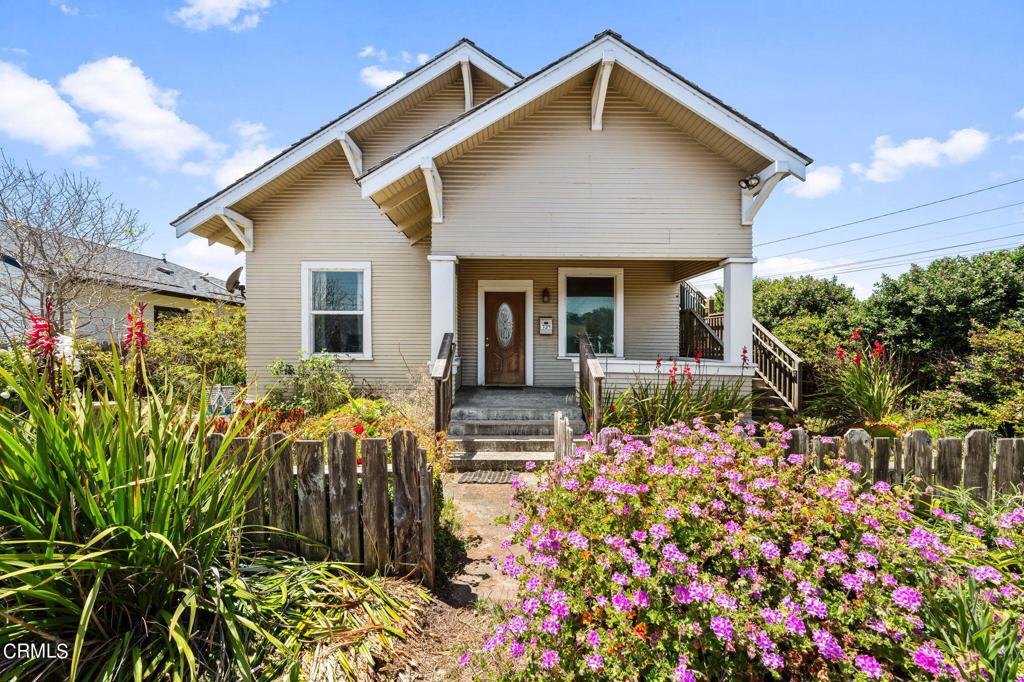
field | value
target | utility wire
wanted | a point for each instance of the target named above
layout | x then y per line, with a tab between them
891	213
900	229
837	266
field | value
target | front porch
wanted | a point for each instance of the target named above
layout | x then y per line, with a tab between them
515	321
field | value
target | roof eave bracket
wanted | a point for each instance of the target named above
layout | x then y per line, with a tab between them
600	92
240	226
467	82
753	199
353	154
435	190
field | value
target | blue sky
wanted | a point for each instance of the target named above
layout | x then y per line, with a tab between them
899	103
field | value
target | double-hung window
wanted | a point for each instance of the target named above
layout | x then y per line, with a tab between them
590	300
336	309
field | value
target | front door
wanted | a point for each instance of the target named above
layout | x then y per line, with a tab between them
505	330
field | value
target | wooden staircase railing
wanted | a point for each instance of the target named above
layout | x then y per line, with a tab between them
778	366
444	383
697	336
591	381
774	363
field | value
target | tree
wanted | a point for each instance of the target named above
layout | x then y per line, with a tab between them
928	313
63	241
206	344
777	301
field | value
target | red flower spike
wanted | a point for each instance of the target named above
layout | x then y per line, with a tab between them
841	354
857	333
857	358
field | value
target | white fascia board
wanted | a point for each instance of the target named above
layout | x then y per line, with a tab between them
354	119
606	49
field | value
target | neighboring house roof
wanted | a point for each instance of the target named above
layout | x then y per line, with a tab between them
464	49
138	271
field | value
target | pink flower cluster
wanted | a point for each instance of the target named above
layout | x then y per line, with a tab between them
706	555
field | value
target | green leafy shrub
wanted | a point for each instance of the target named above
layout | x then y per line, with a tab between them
927	314
985	389
120	536
861	384
315	384
678	394
207	344
706	555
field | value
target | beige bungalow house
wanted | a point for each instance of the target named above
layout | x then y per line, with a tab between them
511	213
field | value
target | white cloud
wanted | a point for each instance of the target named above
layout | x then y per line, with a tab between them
820	182
371	51
1020	113
217	260
64	8
135	112
234	15
890	161
87	160
422	58
251	153
1016	137
378	78
17	50
32	111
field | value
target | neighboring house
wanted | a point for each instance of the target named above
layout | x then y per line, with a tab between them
112	286
511	211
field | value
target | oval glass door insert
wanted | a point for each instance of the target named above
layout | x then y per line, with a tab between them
504	325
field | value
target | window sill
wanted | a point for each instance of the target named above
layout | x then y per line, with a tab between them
343	356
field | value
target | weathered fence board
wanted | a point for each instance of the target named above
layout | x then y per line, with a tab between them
1009	464
858	451
375	506
883	455
344	498
318	504
281	498
977	462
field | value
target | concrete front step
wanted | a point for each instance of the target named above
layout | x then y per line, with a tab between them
474	444
509	427
498	461
493	413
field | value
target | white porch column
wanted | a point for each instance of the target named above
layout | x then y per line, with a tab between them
738	282
442	299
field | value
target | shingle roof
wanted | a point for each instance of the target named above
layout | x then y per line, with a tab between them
139	271
379	93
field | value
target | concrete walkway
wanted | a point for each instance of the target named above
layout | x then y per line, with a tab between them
477	507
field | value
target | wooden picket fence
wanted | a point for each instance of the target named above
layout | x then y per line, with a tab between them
986	465
377	518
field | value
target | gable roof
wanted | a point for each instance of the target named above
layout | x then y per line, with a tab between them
605	46
328	133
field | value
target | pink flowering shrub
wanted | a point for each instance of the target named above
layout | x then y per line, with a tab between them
707	556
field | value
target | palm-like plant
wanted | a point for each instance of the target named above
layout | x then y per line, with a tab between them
864	385
121	538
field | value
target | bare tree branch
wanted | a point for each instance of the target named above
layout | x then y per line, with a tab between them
63	241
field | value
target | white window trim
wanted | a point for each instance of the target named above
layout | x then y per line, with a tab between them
485	285
616	274
308	268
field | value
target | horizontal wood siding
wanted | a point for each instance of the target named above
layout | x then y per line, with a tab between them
548	186
408	127
323	217
650	301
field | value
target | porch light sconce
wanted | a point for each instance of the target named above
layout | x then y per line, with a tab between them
750	182
545	296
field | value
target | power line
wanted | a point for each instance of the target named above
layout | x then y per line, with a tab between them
891	213
839	266
922	262
900	229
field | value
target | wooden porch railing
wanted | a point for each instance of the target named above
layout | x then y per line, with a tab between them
778	366
444	383
591	380
696	335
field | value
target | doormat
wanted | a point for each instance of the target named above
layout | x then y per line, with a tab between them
487	477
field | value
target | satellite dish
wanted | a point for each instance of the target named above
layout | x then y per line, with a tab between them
232	282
